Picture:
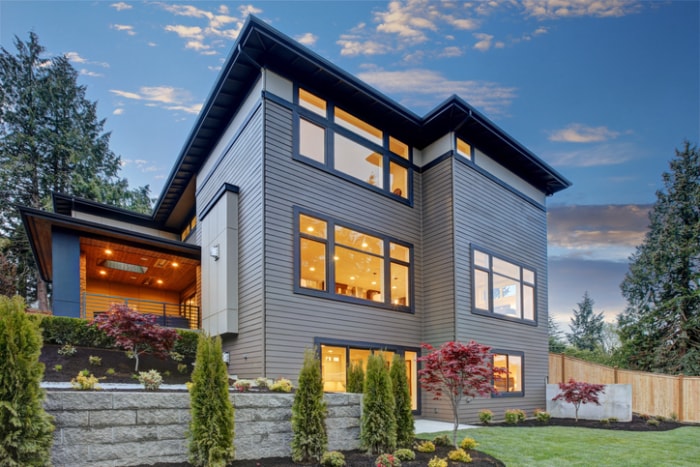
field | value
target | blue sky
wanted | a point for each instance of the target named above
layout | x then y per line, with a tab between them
603	91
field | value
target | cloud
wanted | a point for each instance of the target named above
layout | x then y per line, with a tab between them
119	6
595	156
118	111
92	74
76	58
307	39
554	9
191	32
484	41
165	97
451	51
124	27
419	85
610	232
579	133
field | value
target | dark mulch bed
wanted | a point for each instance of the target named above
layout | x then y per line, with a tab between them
111	358
638	423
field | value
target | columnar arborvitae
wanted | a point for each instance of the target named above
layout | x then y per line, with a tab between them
25	428
212	424
309	437
356	378
405	432
378	423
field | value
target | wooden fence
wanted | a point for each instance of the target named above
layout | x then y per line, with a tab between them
652	393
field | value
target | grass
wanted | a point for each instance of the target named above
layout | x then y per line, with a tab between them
564	446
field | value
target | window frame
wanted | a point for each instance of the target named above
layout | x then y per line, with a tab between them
332	128
522	283
507	354
330	292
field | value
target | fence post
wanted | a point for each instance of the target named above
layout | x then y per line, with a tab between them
679	395
563	368
615	375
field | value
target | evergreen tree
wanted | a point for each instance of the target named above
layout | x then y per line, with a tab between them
309	437
50	141
586	326
378	421
25	428
212	424
660	327
356	378
405	432
556	345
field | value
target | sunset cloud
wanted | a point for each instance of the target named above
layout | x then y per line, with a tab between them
166	97
579	133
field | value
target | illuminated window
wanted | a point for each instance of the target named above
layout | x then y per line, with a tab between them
363	267
189	228
503	288
464	149
360	151
509	381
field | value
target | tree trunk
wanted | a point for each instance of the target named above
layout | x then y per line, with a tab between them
42	293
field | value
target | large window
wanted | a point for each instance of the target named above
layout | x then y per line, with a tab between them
503	288
359	265
337	357
342	143
509	381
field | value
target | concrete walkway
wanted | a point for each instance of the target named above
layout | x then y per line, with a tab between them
423	425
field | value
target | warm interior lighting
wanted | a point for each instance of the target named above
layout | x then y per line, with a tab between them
312	269
364	245
108	251
118	265
103	273
175	264
310	229
336	258
159	281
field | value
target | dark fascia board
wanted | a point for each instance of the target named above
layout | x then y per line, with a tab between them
32	218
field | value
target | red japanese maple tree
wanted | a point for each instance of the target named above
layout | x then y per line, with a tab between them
459	371
136	332
578	392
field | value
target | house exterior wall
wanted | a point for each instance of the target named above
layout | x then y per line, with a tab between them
66	274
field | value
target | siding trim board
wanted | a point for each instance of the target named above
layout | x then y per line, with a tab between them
225	188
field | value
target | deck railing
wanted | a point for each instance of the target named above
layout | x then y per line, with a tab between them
173	315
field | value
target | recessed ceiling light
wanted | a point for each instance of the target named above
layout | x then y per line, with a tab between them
312	269
103	273
175	264
159	281
310	229
108	251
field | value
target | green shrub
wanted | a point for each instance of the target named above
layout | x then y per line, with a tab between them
85	381
605	421
62	330
425	446
514	416
58	367
212	414
262	383
356	378
485	416
459	455
333	459
468	444
405	455
281	385
186	345
94	360
309	437
242	385
442	440
542	416
437	462
150	379
387	460
110	371
674	416
182	368
67	350
378	421
176	356
25	427
653	422
405	433
613	419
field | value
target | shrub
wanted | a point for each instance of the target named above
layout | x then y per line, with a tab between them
674	416
58	367
176	356
333	459
242	385
442	440
542	416
25	427
262	383
387	460
67	350
94	360
644	416
605	421
136	332
425	446
378	420
182	368
150	379
212	414
309	437
459	455
356	378
578	392
514	416
110	371
613	419
405	432
468	444
281	385
62	330
405	455
85	381
485	416
186	345
437	462
653	422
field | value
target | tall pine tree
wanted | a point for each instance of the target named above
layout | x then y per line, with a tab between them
586	326
660	328
51	140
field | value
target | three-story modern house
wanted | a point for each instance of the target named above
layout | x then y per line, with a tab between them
308	209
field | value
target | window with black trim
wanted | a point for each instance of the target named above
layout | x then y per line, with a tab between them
503	288
509	381
348	263
342	143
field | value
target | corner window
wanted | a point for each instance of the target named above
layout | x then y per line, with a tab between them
344	144
509	382
347	263
464	149
503	288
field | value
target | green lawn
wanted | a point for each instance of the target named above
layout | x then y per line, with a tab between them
564	446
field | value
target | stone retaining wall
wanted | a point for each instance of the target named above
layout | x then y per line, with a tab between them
120	428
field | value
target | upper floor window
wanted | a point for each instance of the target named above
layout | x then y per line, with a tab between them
189	228
464	149
348	263
503	288
345	144
509	381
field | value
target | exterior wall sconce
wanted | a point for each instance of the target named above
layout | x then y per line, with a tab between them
227	358
214	252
